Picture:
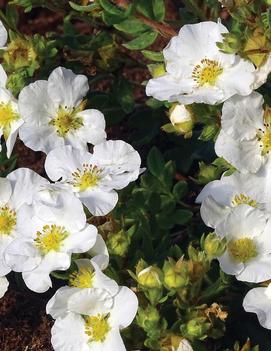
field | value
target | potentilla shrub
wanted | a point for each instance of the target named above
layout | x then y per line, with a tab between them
150	219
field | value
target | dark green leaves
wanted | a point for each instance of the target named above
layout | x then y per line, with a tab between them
142	42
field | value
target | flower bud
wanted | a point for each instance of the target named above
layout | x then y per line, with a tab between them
118	243
182	119
150	277
214	246
207	173
157	69
175	275
148	318
196	328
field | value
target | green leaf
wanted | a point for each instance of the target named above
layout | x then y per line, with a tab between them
209	132
180	190
12	16
141	42
159	10
145	8
182	216
79	8
131	26
108	7
155	162
153	55
124	94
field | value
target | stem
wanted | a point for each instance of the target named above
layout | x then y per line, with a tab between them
164	29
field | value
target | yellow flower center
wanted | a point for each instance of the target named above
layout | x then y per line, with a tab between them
82	279
242	250
7	116
50	238
242	199
86	178
264	137
7	220
67	120
207	72
97	327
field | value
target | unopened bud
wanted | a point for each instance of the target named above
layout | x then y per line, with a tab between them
175	275
182	119
214	246
150	277
118	243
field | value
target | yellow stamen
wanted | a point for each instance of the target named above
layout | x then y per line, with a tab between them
7	220
207	72
7	116
264	137
97	327
50	238
68	120
82	279
86	178
242	199
242	250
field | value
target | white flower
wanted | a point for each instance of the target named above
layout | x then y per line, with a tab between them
10	120
100	253
262	73
4	283
94	321
245	137
197	71
93	177
15	190
54	113
248	253
49	235
258	300
87	275
220	197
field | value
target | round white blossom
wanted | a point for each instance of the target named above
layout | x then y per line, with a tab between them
49	235
54	113
219	197
87	275
197	71
95	319
258	300
245	137
248	253
94	177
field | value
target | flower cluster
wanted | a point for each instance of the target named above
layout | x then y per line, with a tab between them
237	206
43	225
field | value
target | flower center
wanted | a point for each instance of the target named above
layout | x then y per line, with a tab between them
242	250
97	327
50	238
242	199
207	72
82	279
86	178
20	53
67	120
7	116
7	220
264	137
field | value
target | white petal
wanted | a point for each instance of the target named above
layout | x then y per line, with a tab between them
35	105
100	253
242	116
125	308
257	270
57	306
4	283
258	302
66	88
90	302
38	279
212	213
99	202
93	131
245	221
81	241
25	183
68	334
262	72
245	155
3	77
220	190
62	162
3	35
5	191
228	265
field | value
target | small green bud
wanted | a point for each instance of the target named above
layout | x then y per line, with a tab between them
148	318
207	173
17	81
157	69
196	328
175	275
150	278
230	44
118	243
214	246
